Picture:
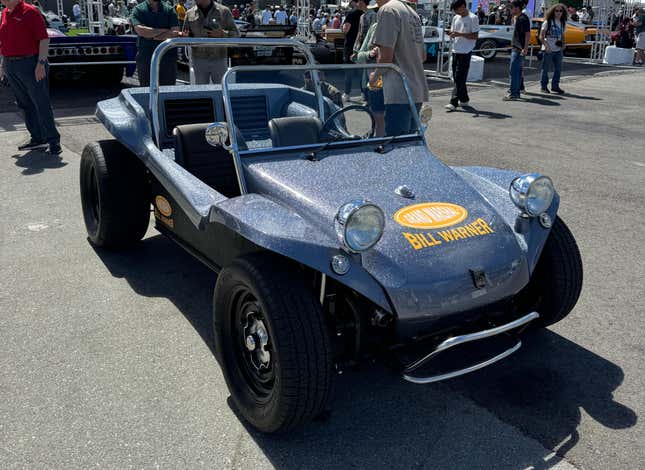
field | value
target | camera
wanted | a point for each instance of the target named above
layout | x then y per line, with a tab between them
558	43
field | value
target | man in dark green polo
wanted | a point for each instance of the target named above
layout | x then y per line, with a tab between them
155	21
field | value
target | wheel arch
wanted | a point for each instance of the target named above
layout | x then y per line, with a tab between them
272	227
493	185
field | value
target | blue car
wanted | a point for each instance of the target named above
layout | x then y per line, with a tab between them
332	241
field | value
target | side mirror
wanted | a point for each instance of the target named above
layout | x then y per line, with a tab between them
425	114
217	135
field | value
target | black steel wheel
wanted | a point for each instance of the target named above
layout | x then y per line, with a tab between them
556	282
272	343
114	195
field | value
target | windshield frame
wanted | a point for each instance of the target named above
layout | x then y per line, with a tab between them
314	69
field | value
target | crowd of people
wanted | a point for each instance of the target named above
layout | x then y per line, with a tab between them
375	32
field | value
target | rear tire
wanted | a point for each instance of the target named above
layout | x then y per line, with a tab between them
285	381
557	279
114	195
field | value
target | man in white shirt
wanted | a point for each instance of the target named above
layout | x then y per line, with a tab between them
464	31
280	16
267	15
76	12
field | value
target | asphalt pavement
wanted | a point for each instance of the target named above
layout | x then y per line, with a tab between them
105	358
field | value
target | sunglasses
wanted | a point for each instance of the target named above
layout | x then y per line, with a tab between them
559	11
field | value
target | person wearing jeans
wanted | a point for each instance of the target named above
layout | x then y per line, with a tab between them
24	44
552	39
520	44
351	28
464	31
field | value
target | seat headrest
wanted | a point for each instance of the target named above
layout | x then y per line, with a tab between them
294	131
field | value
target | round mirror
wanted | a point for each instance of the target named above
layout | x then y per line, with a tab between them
217	134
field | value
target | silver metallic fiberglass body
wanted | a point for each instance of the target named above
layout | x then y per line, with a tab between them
288	204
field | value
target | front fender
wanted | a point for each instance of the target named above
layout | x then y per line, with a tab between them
276	228
493	185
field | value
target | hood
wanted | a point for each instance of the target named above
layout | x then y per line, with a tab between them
434	246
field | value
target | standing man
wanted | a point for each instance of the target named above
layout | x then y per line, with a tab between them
434	17
638	20
280	15
519	45
481	14
399	36
208	19
267	14
250	14
464	31
367	19
24	45
350	28
76	12
155	21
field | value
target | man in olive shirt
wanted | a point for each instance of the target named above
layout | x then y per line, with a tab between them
400	39
155	21
208	19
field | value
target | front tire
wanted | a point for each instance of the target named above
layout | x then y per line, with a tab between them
272	343
114	195
557	279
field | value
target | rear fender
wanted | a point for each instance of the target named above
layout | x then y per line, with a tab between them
276	228
493	185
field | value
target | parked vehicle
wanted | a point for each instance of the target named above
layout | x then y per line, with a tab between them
330	243
103	59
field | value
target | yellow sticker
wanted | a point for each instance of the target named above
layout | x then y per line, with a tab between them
476	228
430	215
163	205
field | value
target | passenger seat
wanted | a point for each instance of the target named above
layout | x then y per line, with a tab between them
214	166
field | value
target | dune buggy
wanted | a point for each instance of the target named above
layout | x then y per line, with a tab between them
332	242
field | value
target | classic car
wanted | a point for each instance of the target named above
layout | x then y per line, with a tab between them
577	36
101	59
331	241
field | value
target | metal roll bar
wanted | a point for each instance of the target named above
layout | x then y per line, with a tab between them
168	44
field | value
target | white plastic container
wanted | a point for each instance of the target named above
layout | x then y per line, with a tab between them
618	56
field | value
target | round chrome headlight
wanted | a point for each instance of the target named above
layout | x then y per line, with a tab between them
359	225
532	193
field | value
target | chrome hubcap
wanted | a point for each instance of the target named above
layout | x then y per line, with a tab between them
256	340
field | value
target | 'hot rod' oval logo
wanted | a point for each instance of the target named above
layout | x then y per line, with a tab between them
163	205
430	215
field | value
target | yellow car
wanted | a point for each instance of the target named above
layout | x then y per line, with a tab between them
577	36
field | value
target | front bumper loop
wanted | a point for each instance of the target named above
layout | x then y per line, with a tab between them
462	339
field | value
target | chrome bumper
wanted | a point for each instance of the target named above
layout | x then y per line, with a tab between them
458	340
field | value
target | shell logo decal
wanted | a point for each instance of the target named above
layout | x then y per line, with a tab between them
163	206
428	215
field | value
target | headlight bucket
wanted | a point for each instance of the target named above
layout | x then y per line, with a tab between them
359	225
532	193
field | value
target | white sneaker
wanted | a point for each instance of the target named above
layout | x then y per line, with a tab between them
450	107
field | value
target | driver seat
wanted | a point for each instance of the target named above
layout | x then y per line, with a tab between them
294	131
